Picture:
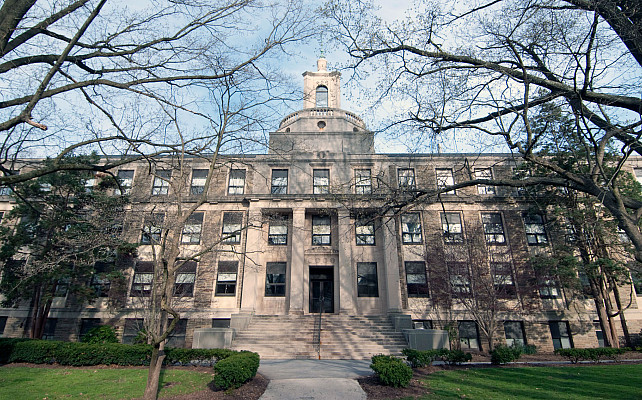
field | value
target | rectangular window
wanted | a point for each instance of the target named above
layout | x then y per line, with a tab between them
185	279
493	228
192	229
126	179
226	278
3	324
365	231
503	282
411	228
487	174
416	279
406	179
535	231
232	227
421	324
445	179
459	278
143	279
90	183
321	230
468	335
5	191
279	181
549	289
367	283
237	182
278	232
561	334
99	280
451	227
87	324
160	185
362	181
220	322
152	229
199	177
275	279
514	331
50	329
177	337
321	181
131	330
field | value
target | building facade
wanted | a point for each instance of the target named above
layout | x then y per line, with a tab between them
323	222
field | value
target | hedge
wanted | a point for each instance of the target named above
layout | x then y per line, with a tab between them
505	354
81	354
391	371
236	369
593	354
421	358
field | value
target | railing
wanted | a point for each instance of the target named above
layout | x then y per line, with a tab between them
317	328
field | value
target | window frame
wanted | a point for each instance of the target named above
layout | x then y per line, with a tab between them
459	278
143	279
278	238
185	279
317	176
503	277
510	341
417	287
465	341
485	173
160	182
558	339
444	178
197	181
449	229
226	287
368	238
359	178
152	230
279	188
409	236
549	289
193	228
231	229
491	231
406	179
531	228
236	184
316	226
367	281
318	100
126	182
275	282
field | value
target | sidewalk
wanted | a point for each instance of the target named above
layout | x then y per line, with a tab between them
314	379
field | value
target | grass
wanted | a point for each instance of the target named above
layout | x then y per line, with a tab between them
107	384
588	382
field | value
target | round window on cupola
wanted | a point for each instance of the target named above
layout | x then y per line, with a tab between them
321	124
322	96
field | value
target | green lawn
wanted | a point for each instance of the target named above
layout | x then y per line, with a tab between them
17	383
590	382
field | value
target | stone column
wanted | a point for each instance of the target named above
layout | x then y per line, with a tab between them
297	285
254	265
346	282
391	263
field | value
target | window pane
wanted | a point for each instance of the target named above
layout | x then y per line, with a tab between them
322	96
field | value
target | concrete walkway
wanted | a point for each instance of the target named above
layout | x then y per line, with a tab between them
314	379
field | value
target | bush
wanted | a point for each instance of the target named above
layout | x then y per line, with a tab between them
421	358
391	371
190	356
418	358
6	348
236	369
593	354
100	335
528	349
504	354
454	357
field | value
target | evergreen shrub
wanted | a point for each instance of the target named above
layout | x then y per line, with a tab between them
235	370
391	371
505	354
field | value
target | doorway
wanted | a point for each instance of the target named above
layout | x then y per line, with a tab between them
321	289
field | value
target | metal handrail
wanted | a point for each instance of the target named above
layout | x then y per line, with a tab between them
317	328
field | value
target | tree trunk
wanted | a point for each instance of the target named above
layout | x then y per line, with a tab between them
601	314
625	328
153	376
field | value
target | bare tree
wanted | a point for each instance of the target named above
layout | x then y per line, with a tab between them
494	67
101	76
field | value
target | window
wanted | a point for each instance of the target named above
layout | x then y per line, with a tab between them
322	96
278	232
561	334
279	181
275	279
232	227
502	278
62	286
406	178
5	191
199	177
237	182
459	278
177	337
514	331
226	278
416	279
365	231
152	229
160	186
493	228
99	281
638	174
484	173
422	324
143	279
3	324
87	324
367	283
126	179
362	181
411	228
90	183
192	229
549	289
131	330
451	227
444	179
468	335
50	329
599	333
535	232
321	181
321	232
220	322
185	278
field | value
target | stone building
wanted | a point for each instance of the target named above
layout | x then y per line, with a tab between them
323	222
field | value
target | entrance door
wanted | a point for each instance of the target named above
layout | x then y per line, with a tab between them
321	289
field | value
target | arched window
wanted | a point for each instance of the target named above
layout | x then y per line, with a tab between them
322	96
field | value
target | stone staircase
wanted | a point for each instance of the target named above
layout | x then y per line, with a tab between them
342	337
